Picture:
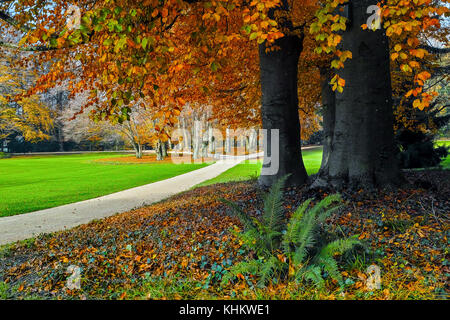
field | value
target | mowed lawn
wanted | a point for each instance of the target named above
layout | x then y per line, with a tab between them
251	168
312	159
39	182
445	143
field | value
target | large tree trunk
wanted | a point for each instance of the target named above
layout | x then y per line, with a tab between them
362	148
280	111
329	113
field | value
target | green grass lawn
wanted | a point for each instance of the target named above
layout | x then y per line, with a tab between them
33	183
312	159
251	168
446	162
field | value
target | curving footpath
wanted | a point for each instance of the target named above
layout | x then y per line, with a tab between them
68	216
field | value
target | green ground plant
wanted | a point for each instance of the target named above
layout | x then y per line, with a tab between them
298	250
4	291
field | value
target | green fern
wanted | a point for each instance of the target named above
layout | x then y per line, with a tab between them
299	240
273	212
244	267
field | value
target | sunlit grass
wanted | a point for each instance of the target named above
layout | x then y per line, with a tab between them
252	168
33	183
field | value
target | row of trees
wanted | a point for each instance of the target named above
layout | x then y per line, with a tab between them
159	55
46	122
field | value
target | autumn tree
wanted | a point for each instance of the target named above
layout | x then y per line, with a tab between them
165	52
359	147
81	129
28	117
158	50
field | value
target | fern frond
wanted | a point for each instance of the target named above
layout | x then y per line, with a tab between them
313	274
338	246
301	252
331	267
268	269
294	226
244	267
326	213
304	238
324	203
300	242
273	206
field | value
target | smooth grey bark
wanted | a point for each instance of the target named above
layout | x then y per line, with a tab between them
279	110
252	141
59	123
329	117
211	140
160	150
138	150
129	129
362	150
165	147
186	137
204	136
228	140
197	138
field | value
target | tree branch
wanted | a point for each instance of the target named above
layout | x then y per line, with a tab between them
435	50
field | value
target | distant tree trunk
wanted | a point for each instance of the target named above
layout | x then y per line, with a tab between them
243	142
228	140
279	71
59	123
362	148
186	143
253	140
159	149
165	147
204	136
197	138
138	150
211	140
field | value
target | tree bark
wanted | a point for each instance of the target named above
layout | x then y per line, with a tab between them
197	138
159	150
362	147
211	140
204	136
59	122
138	150
279	71
228	141
329	113
165	147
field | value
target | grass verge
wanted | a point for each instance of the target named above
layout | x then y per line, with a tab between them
39	182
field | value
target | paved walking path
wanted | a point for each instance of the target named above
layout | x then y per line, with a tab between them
28	225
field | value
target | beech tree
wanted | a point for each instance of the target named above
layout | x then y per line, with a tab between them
359	147
165	53
360	128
